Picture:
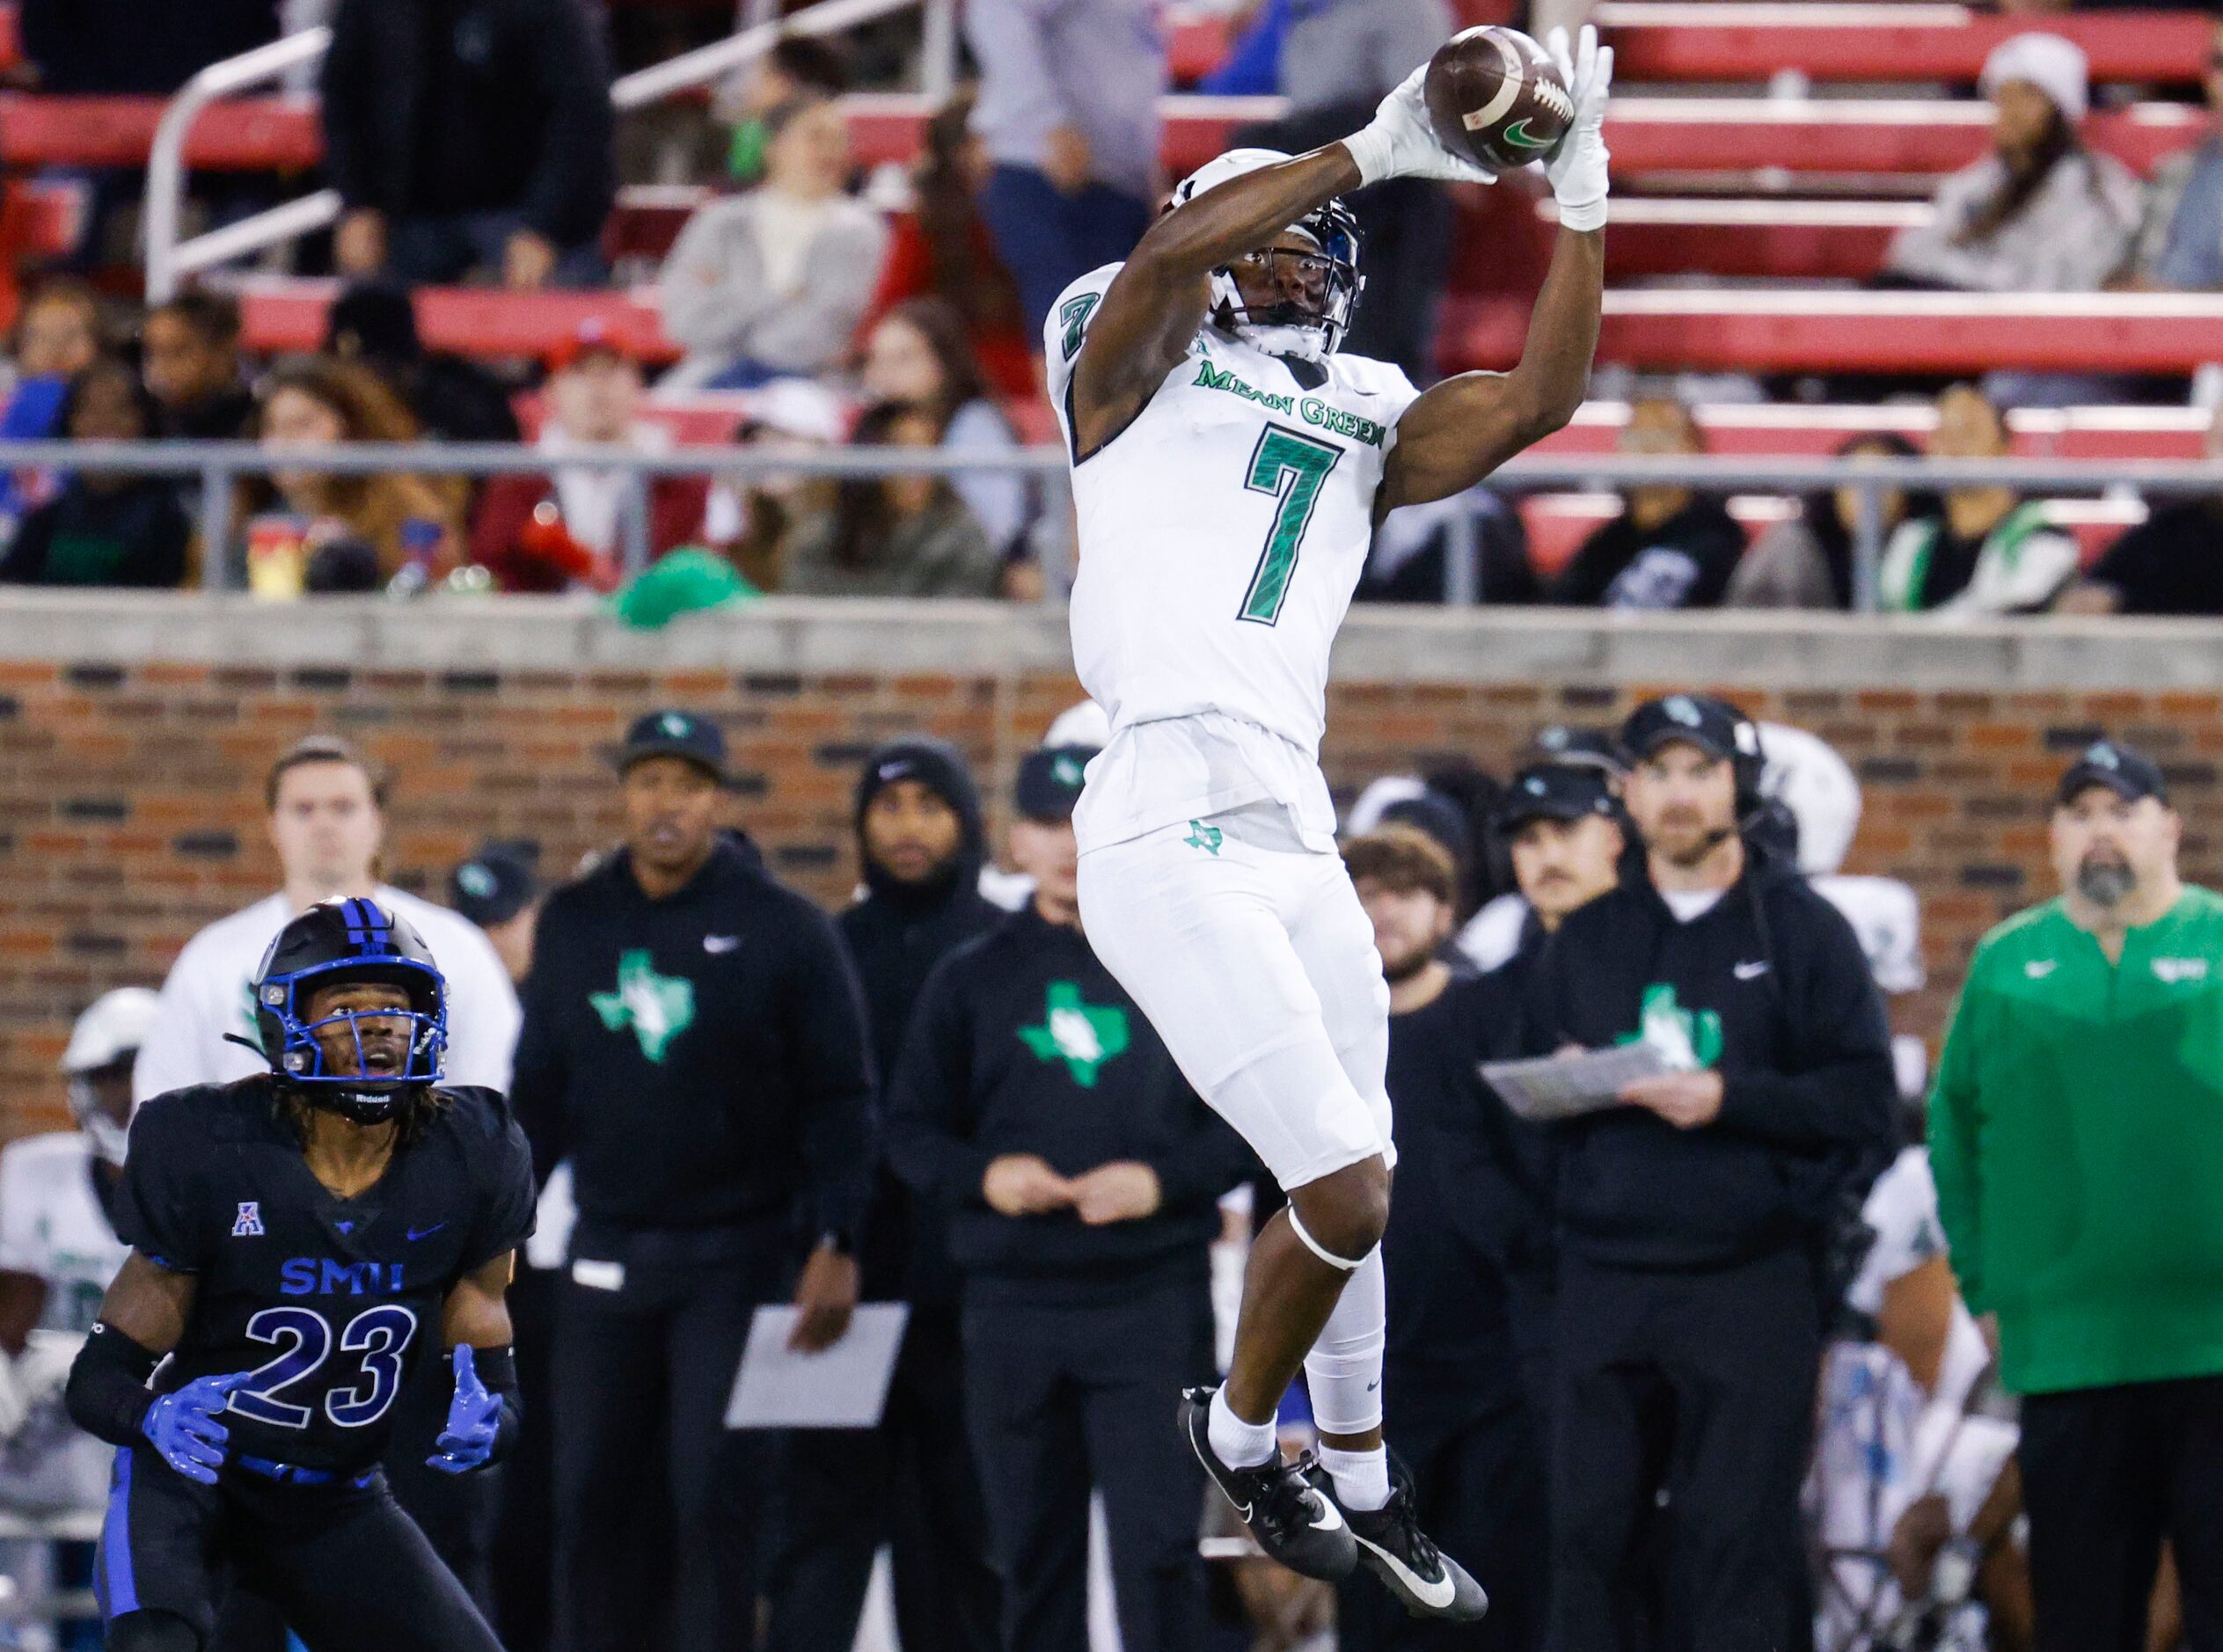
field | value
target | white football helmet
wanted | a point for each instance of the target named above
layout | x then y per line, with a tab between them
1286	328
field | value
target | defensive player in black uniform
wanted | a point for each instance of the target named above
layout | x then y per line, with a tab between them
299	1240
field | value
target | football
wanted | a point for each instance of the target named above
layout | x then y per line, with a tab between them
1496	97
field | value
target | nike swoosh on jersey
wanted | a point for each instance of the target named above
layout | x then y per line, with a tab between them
715	944
1750	971
1438	1594
416	1233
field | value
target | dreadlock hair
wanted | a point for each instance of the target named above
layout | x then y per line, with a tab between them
415	1108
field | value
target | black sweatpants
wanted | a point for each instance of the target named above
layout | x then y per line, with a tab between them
654	1360
1079	1389
1700	1384
2107	1474
349	1571
911	1484
1470	1440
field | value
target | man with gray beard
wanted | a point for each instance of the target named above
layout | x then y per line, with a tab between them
2076	1135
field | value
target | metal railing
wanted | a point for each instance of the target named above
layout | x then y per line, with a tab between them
219	466
170	259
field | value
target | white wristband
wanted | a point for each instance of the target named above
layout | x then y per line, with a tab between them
1371	151
1589	216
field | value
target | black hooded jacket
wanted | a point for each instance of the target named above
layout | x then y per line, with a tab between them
896	935
1773	989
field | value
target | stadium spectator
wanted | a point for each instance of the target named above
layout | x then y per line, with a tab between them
374	325
1033	1105
1806	560
468	134
911	1483
1466	1234
57	336
126	46
404	519
1988	551
1559	824
1418	548
2076	1147
2169	564
774	281
2180	241
1686	1329
565	529
1335	60
695	1044
797	66
2041	213
941	248
1670	547
189	356
752	521
104	527
918	352
1068	115
893	536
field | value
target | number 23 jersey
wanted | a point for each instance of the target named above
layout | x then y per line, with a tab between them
328	1301
1223	531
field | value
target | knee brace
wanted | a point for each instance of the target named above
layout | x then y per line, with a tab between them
1342	1264
1344	1369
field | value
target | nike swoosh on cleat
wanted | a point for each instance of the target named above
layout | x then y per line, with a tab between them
1436	1596
1335	1521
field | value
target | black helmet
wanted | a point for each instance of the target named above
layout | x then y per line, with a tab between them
349	940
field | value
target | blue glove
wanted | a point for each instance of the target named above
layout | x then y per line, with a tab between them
184	1427
474	1417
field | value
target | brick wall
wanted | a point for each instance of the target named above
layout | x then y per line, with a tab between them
130	788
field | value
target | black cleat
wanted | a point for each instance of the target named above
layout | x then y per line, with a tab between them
1420	1576
1295	1522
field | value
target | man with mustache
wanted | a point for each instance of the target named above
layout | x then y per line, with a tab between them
2077	1144
1691	1218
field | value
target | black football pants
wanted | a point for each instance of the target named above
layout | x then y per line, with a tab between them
909	1483
1075	1390
2107	1474
347	1569
1700	1384
1470	1440
642	1376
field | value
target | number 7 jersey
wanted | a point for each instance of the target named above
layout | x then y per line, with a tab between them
1223	531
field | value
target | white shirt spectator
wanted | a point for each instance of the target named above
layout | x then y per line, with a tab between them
206	996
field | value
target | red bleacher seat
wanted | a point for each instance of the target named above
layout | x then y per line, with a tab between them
1797	332
1782	430
248	134
1734	40
286	314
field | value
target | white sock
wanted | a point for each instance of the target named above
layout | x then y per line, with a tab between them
1237	1443
1362	1478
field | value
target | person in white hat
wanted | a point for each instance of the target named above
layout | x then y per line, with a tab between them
2039	214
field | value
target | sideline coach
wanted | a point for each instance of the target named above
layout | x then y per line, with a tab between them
695	1044
2076	1132
1692	1218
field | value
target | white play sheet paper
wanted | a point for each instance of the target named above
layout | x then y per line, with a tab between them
1567	1087
843	1387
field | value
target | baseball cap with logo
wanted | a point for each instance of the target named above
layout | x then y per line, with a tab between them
493	886
1583	748
674	733
1553	791
1714	726
1050	782
2130	774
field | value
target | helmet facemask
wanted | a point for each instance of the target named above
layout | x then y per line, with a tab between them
1314	289
300	1057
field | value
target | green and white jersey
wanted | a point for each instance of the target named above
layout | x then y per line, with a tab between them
1223	531
52	1226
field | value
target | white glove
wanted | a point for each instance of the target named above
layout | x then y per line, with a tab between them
1577	173
1400	142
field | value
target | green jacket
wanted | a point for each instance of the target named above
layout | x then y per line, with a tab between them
2076	1133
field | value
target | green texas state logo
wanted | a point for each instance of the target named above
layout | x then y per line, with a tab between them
1686	1039
657	1007
1081	1034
